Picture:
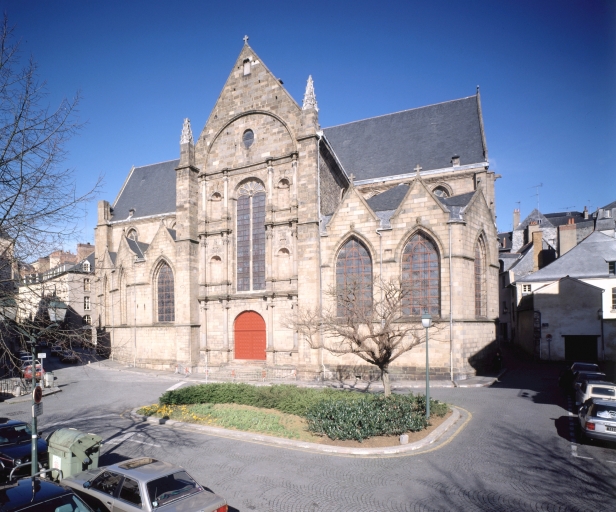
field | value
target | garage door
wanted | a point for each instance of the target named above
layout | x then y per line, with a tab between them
581	348
250	336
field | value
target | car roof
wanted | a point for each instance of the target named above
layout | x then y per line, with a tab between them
144	468
589	373
9	421
601	382
18	494
602	401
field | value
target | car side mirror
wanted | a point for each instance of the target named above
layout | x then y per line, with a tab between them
86	485
154	504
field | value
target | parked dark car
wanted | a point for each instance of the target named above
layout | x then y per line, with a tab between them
39	495
598	419
15	448
56	350
579	377
565	380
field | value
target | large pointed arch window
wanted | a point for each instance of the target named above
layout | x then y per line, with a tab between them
165	294
421	277
480	300
251	237
354	280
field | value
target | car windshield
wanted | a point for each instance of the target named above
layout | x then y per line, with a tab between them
589	376
66	503
603	391
171	487
584	367
15	434
605	411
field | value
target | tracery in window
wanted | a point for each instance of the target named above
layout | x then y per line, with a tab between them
251	237
166	294
354	280
421	276
132	234
480	302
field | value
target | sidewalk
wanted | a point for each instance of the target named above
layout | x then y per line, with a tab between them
397	385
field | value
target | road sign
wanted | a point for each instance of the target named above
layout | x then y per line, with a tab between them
37	394
42	355
37	410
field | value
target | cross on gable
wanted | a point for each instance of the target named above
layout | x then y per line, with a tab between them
245	39
418	168
352	178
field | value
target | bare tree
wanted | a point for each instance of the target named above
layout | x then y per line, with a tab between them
40	207
371	322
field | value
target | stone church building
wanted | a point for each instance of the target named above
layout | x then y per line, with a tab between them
202	260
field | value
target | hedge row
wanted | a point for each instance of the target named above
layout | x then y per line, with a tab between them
335	413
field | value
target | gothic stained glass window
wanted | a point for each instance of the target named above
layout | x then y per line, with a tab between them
166	294
421	274
479	286
353	279
251	237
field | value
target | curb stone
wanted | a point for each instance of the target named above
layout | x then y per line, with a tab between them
28	396
306	446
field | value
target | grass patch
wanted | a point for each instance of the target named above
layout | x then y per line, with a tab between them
236	417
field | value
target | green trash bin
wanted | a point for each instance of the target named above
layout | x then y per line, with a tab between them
72	451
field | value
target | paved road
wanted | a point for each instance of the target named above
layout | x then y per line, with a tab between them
516	452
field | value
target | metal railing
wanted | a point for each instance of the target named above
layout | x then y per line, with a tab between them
8	386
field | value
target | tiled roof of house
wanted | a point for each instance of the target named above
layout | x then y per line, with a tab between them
587	259
394	144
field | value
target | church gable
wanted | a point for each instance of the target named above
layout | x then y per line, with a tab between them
419	202
352	213
162	242
252	98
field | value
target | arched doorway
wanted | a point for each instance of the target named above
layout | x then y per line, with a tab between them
250	336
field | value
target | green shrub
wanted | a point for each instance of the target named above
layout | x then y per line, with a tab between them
371	415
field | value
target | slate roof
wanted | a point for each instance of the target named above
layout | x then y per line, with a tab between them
150	190
505	241
388	200
394	144
138	248
586	260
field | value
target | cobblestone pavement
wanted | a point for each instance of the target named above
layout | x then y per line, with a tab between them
516	452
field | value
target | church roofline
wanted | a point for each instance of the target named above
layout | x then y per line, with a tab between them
422	173
399	112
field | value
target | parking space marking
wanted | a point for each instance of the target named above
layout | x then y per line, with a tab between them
175	386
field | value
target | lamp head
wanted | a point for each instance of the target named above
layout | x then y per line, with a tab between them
426	320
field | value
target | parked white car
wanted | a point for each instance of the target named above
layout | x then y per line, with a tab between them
598	420
595	389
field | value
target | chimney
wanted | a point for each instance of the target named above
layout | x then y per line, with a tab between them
83	251
516	218
585	212
537	248
455	160
531	228
567	237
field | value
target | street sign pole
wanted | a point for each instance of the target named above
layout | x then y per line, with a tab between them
34	455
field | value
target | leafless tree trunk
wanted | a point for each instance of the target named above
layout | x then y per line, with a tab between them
375	327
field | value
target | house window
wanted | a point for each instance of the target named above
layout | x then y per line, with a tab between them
526	288
86	285
86	266
251	237
166	294
354	280
87	319
86	303
248	138
421	276
246	67
613	299
441	192
480	302
611	267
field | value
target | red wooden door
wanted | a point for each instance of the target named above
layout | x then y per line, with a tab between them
250	336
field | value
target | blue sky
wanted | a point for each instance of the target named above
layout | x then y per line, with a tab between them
547	71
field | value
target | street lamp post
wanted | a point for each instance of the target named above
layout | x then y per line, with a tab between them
426	321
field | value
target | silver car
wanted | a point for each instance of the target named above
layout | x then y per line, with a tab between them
143	484
598	419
